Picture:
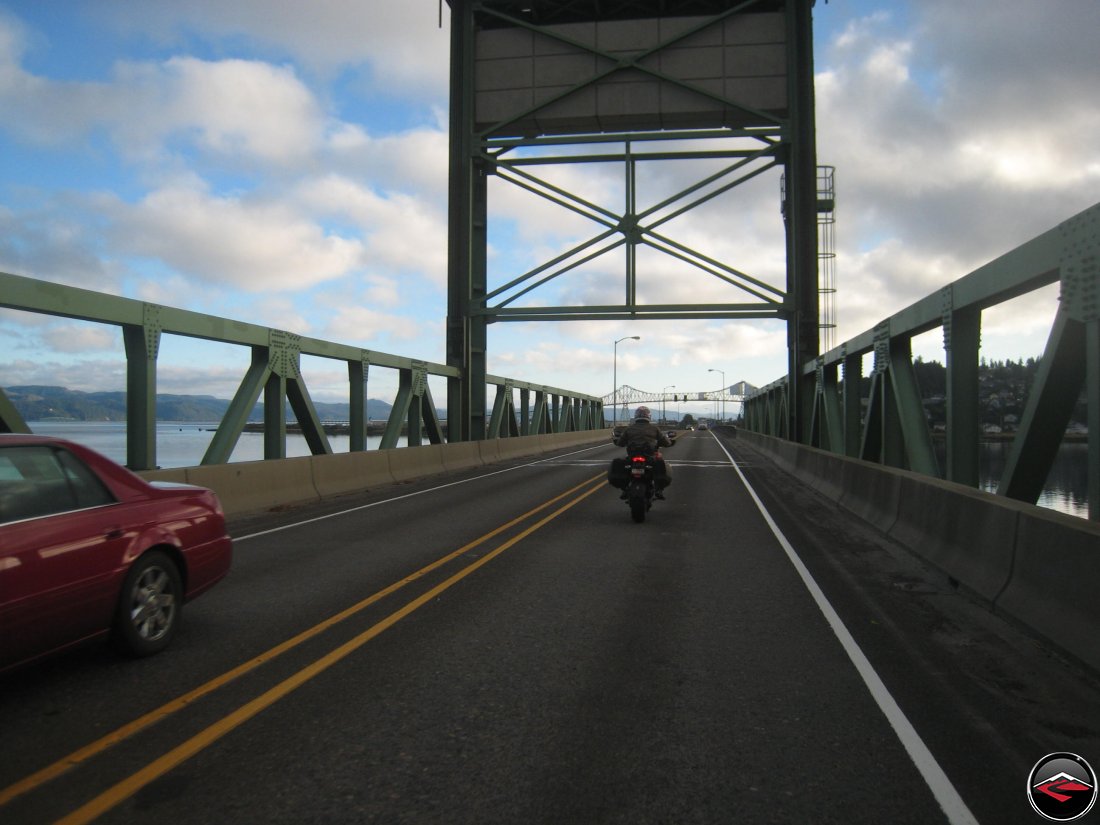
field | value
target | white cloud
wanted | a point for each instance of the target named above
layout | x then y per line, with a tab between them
253	244
954	142
82	338
363	326
401	233
234	108
52	239
402	43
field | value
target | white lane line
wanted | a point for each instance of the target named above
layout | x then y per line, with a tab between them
948	798
356	509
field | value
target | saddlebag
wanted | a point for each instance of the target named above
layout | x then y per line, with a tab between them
618	474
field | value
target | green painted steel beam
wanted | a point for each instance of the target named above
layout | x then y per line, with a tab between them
412	410
1057	386
1092	403
240	408
431	424
503	413
831	426
653	311
919	453
306	415
31	295
852	366
275	416
10	419
516	163
358	376
894	429
274	371
142	344
962	342
769	134
1024	269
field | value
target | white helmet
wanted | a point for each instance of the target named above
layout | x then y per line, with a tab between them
642	412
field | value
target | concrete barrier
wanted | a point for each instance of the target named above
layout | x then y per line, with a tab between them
1035	565
463	455
1056	581
826	472
407	463
579	438
253	486
966	533
343	473
518	447
489	450
871	492
249	486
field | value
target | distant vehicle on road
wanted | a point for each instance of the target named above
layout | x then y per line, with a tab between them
89	549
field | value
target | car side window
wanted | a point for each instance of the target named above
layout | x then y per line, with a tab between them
88	490
39	481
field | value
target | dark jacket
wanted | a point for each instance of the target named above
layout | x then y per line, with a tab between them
643	435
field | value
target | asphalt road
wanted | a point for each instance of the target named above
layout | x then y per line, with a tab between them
509	647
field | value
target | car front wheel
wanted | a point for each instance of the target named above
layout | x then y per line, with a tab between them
150	606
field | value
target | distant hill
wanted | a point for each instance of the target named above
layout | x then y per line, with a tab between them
42	403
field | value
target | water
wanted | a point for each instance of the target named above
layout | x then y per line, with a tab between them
182	444
179	444
1067	484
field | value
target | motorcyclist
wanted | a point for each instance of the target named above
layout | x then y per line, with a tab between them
645	436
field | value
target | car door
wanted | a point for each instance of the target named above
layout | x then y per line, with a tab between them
62	543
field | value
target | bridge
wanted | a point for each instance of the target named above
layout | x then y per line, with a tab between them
819	624
627	397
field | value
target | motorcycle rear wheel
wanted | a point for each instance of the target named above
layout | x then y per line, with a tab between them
638	508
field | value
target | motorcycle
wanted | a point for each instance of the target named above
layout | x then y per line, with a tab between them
640	488
636	475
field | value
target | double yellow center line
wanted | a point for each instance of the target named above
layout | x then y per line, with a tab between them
126	788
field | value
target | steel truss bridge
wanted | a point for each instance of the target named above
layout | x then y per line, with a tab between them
628	396
882	420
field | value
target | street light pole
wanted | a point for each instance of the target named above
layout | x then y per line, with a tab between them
615	374
723	393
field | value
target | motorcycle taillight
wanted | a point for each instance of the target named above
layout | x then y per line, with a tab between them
638	459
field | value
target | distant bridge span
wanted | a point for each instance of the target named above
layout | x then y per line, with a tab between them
628	396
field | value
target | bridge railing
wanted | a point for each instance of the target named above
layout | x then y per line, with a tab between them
889	425
275	371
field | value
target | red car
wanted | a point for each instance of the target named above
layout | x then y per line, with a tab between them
88	549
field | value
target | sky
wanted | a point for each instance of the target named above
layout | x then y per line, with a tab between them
286	164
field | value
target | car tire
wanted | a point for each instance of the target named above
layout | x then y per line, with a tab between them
150	606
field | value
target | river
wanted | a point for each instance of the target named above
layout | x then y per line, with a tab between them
182	444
